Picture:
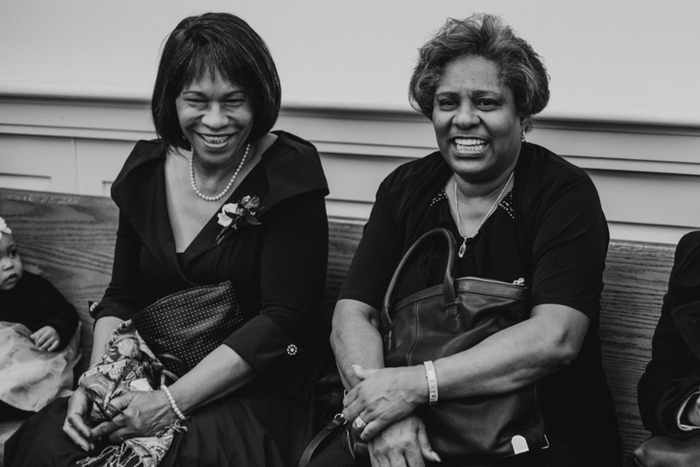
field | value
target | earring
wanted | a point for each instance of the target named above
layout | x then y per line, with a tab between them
522	136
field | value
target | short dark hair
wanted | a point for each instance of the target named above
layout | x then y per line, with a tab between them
215	43
520	68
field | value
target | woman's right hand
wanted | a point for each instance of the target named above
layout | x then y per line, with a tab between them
74	425
404	443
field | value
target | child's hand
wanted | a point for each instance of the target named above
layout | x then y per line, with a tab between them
46	339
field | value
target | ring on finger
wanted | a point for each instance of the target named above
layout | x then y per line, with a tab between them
111	411
359	424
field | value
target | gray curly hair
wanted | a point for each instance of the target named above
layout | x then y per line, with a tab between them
487	36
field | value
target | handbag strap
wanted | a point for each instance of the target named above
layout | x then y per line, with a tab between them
333	427
448	290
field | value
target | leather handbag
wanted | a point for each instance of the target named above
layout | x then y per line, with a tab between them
449	318
183	328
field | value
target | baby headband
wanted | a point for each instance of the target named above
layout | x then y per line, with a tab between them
4	228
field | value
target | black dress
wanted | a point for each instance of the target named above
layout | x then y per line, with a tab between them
549	230
278	272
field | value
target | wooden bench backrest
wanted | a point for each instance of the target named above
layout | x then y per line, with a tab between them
69	239
636	279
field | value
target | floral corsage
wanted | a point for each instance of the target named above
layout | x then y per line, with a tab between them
233	214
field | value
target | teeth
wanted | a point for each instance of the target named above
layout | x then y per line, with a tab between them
215	139
470	143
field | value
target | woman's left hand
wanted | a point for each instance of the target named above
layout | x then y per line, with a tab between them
383	397
143	413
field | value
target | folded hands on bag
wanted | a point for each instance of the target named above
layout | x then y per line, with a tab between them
383	397
404	442
142	413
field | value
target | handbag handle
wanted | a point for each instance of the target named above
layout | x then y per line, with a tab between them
448	291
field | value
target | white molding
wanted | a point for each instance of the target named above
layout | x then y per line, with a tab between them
142	96
648	174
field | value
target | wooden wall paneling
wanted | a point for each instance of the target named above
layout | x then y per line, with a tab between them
79	118
99	163
38	163
649	198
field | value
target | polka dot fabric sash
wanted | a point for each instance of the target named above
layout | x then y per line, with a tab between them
183	328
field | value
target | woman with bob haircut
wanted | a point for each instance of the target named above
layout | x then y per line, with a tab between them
218	197
521	215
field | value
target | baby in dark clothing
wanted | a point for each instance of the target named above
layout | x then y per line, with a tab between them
38	339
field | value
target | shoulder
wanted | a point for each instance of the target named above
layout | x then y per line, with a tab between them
416	179
144	152
689	241
138	169
33	283
686	266
542	176
292	167
541	167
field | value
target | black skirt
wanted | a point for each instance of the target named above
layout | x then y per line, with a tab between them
252	427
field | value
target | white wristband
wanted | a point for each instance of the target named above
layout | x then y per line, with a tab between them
432	381
177	411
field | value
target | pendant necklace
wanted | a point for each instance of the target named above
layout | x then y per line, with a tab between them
230	183
463	247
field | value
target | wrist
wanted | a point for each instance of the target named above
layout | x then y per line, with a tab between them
173	404
431	382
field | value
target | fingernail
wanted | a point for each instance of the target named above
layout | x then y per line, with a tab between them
355	367
436	457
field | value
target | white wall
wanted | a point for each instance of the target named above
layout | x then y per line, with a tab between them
629	59
76	76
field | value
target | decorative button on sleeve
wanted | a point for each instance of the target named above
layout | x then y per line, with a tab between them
292	349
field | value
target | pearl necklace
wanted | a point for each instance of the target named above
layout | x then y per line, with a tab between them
463	247
230	182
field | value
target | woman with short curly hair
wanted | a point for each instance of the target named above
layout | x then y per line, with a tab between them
521	215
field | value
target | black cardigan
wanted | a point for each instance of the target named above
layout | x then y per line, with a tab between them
674	371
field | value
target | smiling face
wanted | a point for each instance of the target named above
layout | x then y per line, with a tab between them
10	263
476	121
216	118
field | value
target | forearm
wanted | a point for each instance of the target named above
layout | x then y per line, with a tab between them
220	373
514	357
356	339
102	332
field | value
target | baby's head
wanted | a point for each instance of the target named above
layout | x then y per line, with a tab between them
10	263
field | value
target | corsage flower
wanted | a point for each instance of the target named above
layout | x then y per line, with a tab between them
232	214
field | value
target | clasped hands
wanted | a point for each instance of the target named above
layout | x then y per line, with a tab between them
381	408
140	413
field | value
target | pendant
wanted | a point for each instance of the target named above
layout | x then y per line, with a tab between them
462	248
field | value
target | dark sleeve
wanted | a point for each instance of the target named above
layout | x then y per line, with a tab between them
670	377
377	255
569	248
293	272
62	317
126	293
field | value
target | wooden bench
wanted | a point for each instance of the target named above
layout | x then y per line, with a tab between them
69	239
